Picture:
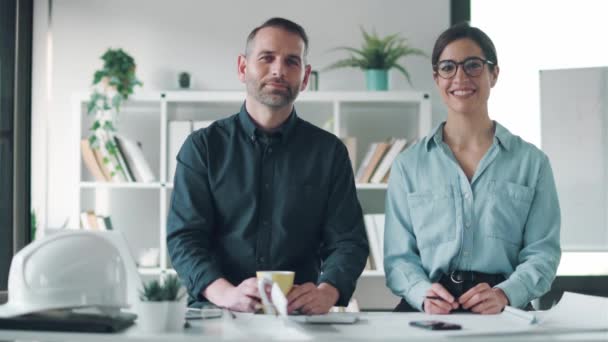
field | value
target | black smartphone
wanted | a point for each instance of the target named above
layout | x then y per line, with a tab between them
435	325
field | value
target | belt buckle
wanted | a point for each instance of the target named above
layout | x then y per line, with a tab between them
455	281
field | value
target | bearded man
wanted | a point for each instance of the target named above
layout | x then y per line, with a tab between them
265	190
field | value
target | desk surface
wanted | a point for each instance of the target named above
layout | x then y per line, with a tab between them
372	327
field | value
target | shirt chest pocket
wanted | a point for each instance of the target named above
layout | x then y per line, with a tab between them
433	215
509	205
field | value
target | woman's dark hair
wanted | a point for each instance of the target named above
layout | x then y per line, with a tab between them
460	31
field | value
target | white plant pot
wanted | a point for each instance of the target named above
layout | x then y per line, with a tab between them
157	317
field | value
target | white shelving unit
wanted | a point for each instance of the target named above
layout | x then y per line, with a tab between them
139	210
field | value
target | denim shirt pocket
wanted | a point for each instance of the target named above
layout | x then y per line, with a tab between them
509	205
433	215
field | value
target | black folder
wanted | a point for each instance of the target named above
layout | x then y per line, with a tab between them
73	322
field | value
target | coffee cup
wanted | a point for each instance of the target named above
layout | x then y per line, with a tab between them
281	279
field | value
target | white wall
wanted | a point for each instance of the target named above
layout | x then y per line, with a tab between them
201	37
537	35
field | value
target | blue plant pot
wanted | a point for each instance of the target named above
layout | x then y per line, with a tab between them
376	79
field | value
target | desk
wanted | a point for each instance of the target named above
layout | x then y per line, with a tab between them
375	326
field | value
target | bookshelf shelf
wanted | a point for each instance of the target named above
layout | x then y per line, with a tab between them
108	185
372	186
373	273
140	209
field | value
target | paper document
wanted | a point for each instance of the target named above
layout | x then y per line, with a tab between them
574	313
577	311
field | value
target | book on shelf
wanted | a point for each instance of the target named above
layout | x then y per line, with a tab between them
135	159
177	133
365	161
379	152
108	160
104	168
384	167
368	264
351	148
90	161
89	220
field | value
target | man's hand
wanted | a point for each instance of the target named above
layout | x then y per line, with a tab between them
312	300
442	306
244	297
484	300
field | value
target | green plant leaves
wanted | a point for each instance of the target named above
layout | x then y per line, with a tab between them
169	290
378	53
113	84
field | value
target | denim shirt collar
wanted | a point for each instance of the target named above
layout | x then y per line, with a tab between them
501	135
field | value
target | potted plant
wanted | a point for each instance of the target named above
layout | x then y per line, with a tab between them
377	56
112	85
162	306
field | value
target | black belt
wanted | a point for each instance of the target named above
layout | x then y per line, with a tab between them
457	283
458	277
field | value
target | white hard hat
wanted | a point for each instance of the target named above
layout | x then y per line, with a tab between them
66	270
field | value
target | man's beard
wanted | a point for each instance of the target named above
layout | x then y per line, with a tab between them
275	97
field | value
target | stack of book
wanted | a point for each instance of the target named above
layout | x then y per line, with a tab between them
376	164
128	164
91	221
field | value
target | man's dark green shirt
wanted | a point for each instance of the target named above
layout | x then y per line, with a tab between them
245	200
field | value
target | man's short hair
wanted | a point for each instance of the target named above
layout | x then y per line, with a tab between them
281	23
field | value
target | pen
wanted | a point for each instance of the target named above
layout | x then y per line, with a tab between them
435	297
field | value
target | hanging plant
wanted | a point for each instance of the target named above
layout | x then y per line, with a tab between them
111	86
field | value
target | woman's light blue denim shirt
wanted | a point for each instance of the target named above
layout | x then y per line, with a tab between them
505	221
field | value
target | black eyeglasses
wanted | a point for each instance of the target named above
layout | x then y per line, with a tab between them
472	66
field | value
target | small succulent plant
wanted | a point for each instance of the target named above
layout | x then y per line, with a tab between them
166	291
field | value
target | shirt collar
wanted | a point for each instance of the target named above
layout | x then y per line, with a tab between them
252	130
501	135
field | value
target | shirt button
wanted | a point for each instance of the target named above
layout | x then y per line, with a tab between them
266	185
261	259
265	222
467	195
270	150
465	253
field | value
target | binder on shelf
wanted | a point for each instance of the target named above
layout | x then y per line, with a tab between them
177	133
120	155
90	162
134	155
372	236
379	153
384	167
379	226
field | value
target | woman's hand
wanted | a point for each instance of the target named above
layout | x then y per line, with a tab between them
484	300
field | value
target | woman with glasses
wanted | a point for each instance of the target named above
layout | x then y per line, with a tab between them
472	217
